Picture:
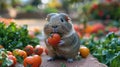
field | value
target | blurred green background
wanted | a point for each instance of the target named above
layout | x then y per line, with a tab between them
92	20
77	9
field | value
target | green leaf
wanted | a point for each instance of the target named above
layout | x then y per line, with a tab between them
115	61
110	35
7	62
12	37
63	65
19	59
105	49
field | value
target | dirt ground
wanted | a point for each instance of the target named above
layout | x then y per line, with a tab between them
87	62
31	23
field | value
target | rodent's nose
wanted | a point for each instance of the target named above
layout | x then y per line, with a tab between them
54	26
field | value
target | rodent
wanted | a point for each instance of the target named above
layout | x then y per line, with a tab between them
69	45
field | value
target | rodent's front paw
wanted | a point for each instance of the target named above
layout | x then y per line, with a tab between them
51	59
46	41
61	42
70	60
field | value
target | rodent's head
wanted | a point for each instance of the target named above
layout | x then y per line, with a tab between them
58	23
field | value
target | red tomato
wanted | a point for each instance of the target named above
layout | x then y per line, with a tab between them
101	13
88	29
76	27
22	53
32	61
9	53
31	34
29	62
29	49
94	6
113	29
38	60
38	50
13	58
54	39
97	27
79	34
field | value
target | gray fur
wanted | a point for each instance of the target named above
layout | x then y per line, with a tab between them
69	44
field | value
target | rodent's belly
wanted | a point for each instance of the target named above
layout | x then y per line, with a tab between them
63	51
60	52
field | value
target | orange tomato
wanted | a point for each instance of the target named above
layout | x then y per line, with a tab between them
15	52
54	39
88	29
6	21
28	62
87	35
38	50
84	51
22	53
13	58
97	27
29	49
9	53
38	60
31	34
36	29
81	26
19	52
32	61
1	46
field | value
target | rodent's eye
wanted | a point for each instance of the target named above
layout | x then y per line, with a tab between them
61	20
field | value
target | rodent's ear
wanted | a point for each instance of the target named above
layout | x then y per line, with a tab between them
49	15
65	16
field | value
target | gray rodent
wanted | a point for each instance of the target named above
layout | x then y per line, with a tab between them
69	45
